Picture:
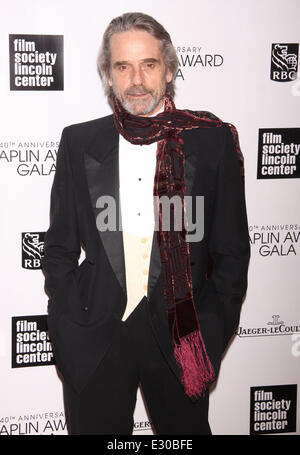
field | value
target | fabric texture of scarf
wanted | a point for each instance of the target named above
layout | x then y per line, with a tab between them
166	129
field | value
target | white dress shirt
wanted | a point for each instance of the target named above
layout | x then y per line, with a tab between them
136	173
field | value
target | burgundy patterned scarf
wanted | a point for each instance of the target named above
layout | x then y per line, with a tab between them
166	129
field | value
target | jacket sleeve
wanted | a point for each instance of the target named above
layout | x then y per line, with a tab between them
229	246
62	242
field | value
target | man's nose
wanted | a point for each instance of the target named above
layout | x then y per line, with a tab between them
137	76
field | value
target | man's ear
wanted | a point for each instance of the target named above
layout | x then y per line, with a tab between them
169	76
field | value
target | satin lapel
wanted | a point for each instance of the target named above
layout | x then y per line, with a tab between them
155	266
102	171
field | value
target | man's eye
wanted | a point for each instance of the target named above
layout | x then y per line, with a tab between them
122	68
150	65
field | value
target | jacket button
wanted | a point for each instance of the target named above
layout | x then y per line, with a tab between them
85	308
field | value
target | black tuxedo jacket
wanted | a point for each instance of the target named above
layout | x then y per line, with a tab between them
87	301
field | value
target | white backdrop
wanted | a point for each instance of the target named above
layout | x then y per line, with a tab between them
224	48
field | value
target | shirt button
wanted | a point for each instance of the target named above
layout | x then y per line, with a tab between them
145	272
143	240
145	255
145	287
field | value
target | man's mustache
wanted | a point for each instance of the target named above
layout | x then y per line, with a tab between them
140	90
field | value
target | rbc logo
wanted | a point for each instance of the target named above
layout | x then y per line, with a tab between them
32	250
284	62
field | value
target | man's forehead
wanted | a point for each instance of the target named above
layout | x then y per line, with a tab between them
134	42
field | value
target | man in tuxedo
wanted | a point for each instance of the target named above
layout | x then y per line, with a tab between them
152	304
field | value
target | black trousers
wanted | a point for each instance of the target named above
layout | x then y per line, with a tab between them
106	406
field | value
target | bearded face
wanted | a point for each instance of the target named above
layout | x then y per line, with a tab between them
139	76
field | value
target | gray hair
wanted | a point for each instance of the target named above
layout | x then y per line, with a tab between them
138	21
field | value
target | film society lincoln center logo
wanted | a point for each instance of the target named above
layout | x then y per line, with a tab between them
278	153
31	345
273	409
36	62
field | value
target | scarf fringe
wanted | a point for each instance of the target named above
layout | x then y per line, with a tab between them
197	370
